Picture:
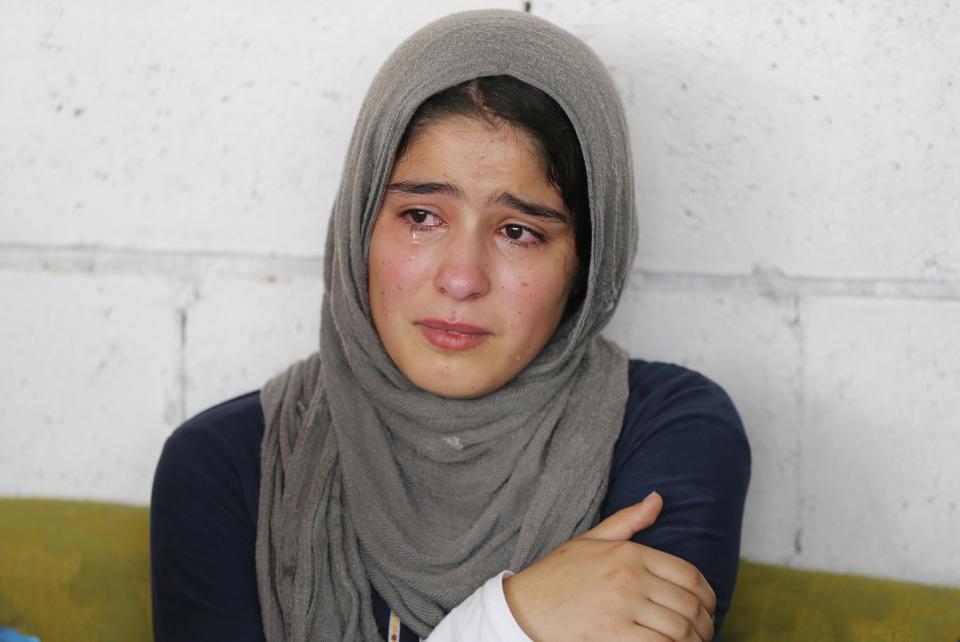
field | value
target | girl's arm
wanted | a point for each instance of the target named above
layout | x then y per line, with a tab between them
683	437
203	528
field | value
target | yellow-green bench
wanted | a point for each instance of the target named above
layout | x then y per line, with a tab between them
76	571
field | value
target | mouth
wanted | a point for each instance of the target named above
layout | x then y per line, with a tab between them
457	337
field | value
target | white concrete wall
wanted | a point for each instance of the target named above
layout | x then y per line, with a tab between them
166	172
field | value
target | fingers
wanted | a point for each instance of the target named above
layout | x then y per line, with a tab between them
685	604
683	575
624	523
645	634
669	624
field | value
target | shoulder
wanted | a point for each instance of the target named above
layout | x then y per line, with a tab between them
670	402
214	454
654	384
237	421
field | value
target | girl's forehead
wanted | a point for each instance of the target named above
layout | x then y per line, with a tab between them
472	161
461	135
474	143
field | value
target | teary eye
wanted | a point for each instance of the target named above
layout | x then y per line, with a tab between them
420	219
522	236
513	231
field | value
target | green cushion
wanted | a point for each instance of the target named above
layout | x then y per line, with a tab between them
787	605
75	571
80	572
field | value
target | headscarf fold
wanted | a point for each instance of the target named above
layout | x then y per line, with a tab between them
367	480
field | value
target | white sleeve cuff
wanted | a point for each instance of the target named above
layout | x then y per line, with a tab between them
498	612
482	617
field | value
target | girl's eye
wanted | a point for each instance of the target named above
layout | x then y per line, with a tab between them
522	236
421	219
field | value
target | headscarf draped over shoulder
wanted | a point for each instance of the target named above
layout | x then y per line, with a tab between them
367	480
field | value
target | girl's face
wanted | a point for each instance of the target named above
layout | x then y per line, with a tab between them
471	259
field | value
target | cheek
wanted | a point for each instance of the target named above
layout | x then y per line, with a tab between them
395	269
534	295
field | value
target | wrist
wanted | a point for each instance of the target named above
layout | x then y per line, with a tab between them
512	594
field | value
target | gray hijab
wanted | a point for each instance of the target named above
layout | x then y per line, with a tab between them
367	480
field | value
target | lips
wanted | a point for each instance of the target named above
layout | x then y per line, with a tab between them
456	337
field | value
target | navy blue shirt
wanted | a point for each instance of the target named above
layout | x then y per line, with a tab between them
681	436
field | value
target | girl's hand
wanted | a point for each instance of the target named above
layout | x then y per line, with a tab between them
602	586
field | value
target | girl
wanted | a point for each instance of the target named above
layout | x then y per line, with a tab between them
465	457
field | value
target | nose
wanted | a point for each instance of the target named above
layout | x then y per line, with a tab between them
463	270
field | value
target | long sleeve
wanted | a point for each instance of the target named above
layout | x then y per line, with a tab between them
683	437
202	530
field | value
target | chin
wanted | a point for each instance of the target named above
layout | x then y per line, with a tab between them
454	394
455	378
453	387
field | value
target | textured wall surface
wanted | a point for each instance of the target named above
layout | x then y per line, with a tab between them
167	169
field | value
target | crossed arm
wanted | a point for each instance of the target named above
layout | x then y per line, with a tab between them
660	569
686	442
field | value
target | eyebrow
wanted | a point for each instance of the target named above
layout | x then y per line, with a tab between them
537	210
